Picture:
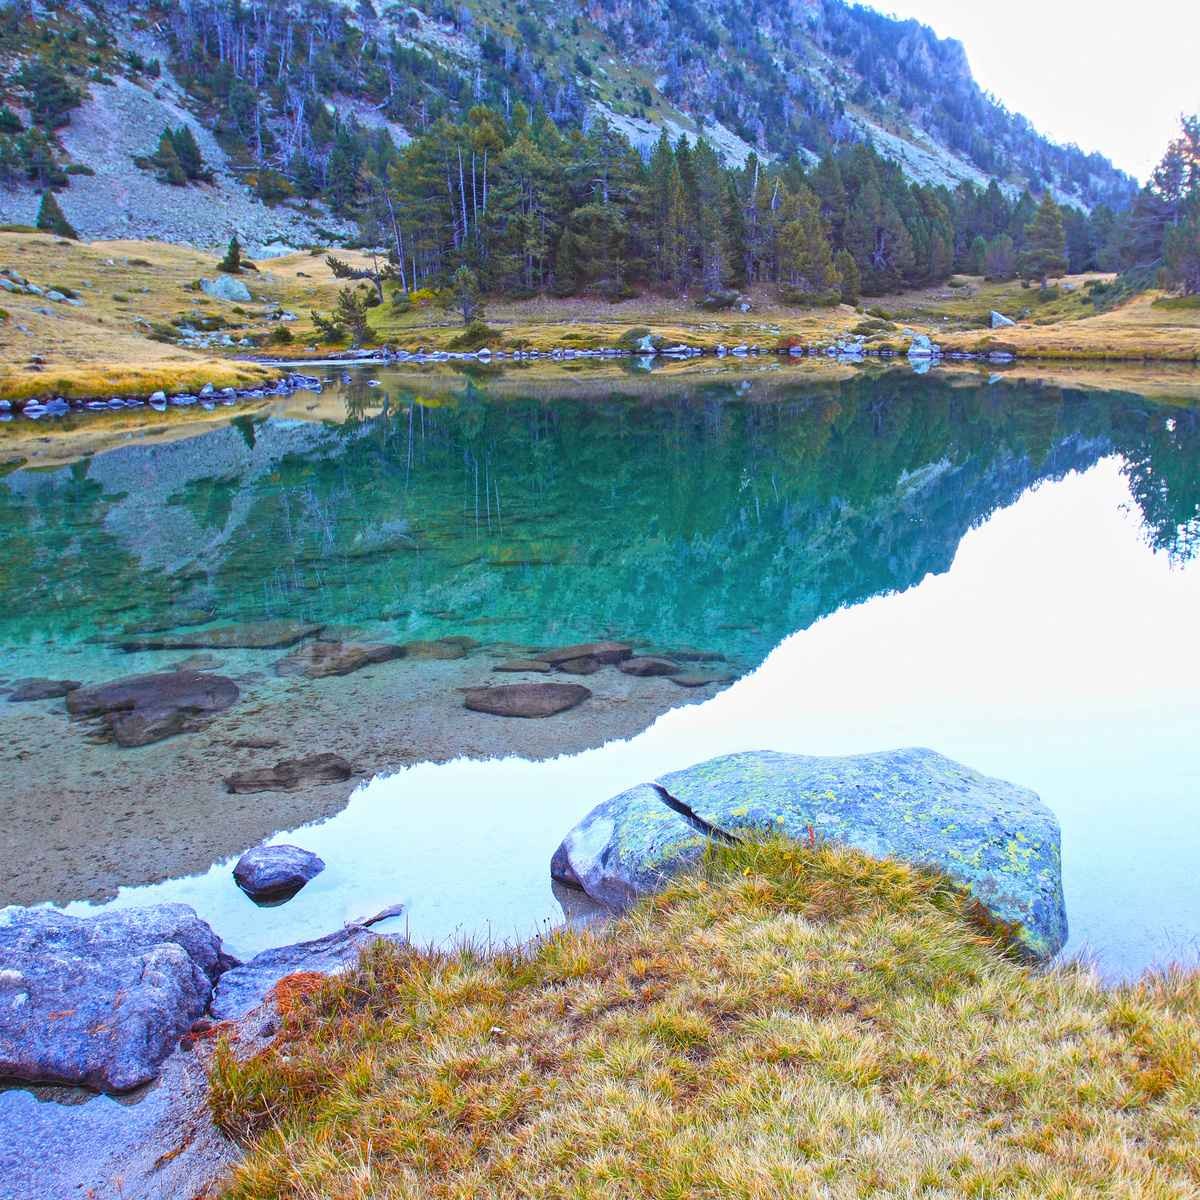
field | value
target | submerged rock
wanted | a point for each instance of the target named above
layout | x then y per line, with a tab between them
273	873
318	660
248	985
176	619
586	665
25	690
443	648
523	664
141	709
603	652
644	667
998	840
526	699
291	773
100	1001
250	635
699	679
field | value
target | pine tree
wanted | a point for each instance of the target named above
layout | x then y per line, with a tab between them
188	153
351	315
166	160
1181	251
1045	250
51	218
231	264
464	295
848	275
806	269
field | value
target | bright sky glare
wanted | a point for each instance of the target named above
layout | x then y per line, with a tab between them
1109	78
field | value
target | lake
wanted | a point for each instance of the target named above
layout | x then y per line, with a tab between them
1001	569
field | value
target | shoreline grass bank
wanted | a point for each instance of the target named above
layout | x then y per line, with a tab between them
790	1021
133	317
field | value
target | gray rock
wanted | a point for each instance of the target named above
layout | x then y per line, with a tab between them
1000	321
997	840
290	774
922	346
225	287
100	1001
41	689
247	986
141	709
275	872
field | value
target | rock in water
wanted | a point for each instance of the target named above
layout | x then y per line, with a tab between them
998	840
252	635
140	709
442	649
603	652
646	667
272	873
517	665
100	1001
42	689
526	699
246	986
290	774
318	660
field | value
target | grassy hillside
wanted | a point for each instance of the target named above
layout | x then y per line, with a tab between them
792	1022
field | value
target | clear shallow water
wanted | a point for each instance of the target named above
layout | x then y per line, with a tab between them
1002	573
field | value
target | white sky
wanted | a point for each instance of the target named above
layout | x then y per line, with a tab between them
1109	78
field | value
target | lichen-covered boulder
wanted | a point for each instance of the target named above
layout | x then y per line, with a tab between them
998	840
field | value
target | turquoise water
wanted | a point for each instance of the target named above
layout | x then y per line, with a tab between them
1001	571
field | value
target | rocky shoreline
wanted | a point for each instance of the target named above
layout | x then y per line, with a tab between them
115	1001
208	397
921	355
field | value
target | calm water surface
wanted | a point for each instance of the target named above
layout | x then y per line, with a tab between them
1002	572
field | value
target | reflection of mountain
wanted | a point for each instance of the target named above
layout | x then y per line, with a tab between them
701	518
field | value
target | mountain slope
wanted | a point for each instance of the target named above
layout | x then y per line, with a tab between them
256	80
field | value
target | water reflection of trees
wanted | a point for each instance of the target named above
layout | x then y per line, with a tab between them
676	516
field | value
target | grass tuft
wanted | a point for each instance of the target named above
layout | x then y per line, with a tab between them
788	1021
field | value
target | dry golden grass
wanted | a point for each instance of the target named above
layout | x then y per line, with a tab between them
791	1022
101	349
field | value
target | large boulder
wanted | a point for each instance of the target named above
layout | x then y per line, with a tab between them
140	709
100	1001
274	873
248	985
997	840
225	287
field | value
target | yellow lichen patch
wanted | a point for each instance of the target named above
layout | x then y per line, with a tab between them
790	1021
